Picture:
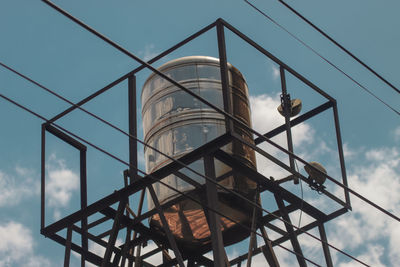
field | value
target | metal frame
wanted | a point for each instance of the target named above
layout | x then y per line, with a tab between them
133	221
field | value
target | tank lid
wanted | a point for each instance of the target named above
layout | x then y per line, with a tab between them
190	60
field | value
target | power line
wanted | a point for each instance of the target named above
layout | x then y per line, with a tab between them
158	151
150	176
323	58
340	46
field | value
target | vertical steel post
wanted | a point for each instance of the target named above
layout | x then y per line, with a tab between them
43	178
325	246
213	218
226	90
84	222
132	127
341	156
126	248
286	103
132	142
139	247
68	247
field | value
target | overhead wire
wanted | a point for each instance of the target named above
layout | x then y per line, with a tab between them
339	45
323	58
147	175
164	154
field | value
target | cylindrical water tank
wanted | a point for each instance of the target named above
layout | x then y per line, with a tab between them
176	123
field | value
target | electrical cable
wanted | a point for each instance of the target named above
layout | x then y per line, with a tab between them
339	45
239	122
323	58
160	152
144	173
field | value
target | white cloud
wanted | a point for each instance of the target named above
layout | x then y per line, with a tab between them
149	52
61	183
17	247
16	187
275	72
397	134
347	152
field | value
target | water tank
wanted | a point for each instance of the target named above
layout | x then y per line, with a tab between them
176	123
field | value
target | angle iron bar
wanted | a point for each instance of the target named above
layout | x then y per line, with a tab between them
83	195
304	229
273	215
275	228
65	137
97	222
296	121
133	157
43	177
336	214
226	90
152	252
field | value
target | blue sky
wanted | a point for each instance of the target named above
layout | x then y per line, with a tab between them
42	44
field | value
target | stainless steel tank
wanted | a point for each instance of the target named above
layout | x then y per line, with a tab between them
176	123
